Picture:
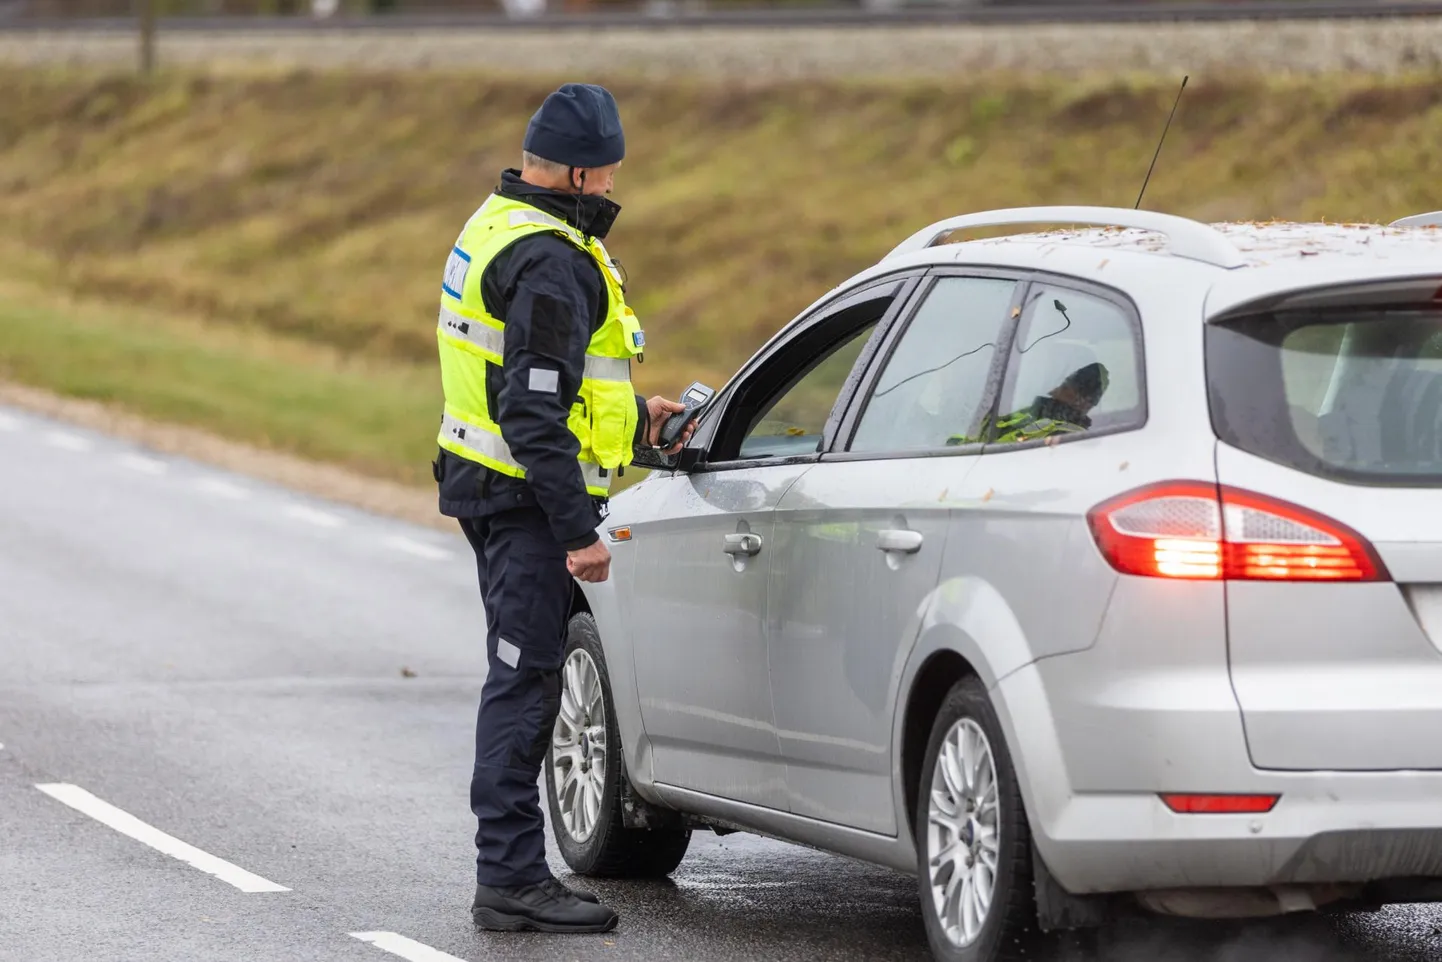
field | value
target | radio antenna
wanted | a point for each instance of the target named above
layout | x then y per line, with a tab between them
1161	141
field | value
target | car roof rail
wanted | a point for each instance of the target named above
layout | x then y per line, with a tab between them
1185	237
1430	219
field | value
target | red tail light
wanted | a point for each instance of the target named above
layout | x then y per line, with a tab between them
1221	804
1190	529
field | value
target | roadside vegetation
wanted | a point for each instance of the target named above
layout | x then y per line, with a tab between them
258	253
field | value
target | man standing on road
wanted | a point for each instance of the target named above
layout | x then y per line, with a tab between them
536	343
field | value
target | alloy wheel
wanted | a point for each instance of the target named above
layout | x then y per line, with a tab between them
963	832
578	746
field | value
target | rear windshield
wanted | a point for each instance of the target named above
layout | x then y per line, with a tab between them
1353	394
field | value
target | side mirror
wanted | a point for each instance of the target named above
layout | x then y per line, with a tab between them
690	458
654	460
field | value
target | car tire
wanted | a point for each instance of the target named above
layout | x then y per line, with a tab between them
593	838
993	834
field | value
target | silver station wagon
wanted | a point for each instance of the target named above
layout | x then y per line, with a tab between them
1080	571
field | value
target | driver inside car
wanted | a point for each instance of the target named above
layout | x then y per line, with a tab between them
1065	410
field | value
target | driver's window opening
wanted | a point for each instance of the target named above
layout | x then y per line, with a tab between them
792	423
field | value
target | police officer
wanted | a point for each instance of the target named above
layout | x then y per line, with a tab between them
536	343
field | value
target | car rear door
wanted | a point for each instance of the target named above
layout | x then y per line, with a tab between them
704	558
1328	405
858	545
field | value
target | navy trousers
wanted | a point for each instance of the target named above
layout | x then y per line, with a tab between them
526	590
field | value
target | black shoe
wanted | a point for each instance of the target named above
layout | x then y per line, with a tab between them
583	896
544	907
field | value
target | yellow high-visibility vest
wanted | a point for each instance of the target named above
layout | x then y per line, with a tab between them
603	417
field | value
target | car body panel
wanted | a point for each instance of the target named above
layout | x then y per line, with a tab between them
1110	688
842	614
1243	288
698	632
1342	677
610	604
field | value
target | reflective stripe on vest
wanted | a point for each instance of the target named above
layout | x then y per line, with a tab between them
490	341
485	446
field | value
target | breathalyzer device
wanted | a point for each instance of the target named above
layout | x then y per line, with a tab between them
697	396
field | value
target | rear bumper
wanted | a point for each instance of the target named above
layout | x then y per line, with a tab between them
1323	830
1093	758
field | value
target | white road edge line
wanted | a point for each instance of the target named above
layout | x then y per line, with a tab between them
139	462
418	548
222	488
319	518
68	442
127	824
405	948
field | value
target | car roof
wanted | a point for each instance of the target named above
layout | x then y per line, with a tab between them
1241	261
1265	244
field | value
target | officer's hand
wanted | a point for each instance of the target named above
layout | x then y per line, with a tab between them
591	563
658	409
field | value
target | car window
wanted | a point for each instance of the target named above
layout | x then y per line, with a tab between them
931	391
793	421
1352	393
1075	368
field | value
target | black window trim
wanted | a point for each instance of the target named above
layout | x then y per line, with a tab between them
1000	371
905	283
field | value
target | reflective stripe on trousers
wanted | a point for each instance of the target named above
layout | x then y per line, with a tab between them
484	444
491	341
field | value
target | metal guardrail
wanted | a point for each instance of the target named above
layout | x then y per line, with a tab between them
661	17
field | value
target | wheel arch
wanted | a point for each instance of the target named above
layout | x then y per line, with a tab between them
600	601
936	676
580	604
967	628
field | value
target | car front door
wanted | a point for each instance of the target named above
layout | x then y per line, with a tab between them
704	556
858	547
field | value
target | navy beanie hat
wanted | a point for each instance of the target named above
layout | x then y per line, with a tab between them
578	126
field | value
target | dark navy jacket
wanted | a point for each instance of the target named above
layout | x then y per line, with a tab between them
550	295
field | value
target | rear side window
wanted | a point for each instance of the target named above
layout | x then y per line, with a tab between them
1353	394
1075	370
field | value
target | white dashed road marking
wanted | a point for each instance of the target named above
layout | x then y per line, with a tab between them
222	488
127	824
138	462
68	442
404	947
418	548
310	515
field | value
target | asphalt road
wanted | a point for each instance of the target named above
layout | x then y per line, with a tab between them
287	685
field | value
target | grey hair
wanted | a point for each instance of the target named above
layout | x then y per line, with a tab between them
544	166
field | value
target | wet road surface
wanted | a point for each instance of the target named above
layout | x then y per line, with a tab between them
275	682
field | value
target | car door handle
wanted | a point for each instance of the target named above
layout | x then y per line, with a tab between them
747	544
907	542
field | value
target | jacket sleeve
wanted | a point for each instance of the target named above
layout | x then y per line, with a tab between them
552	295
643	425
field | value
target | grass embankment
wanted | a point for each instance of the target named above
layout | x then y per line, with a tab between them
259	254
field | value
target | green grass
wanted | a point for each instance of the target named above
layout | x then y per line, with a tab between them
258	253
366	416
